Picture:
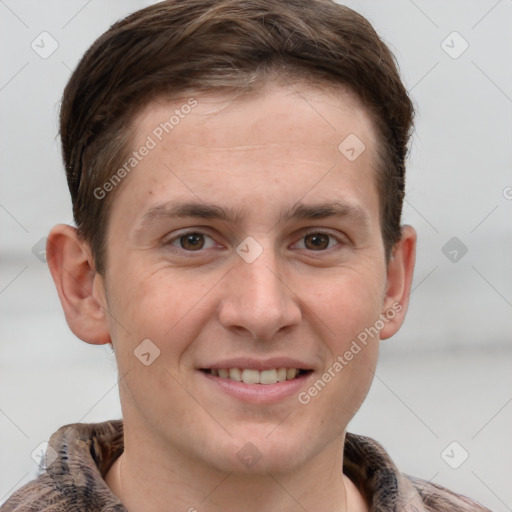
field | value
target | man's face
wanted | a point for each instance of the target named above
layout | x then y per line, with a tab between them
296	294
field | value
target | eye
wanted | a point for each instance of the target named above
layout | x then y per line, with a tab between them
318	241
195	241
192	241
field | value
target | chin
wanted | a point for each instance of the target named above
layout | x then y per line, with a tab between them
260	454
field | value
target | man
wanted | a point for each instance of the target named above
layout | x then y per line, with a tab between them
237	171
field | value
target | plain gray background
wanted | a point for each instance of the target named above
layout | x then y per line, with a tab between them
445	377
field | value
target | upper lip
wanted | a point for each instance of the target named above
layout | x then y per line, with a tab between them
251	363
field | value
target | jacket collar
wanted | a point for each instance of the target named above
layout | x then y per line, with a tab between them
86	451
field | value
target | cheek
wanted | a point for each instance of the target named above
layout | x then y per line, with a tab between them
159	306
354	307
162	308
348	306
354	382
339	391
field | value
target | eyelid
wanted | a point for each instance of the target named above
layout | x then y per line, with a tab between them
340	238
167	241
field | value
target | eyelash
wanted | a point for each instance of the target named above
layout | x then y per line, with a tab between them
315	231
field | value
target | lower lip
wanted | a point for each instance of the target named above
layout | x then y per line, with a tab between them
259	393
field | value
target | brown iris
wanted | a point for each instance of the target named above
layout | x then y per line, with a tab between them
192	241
318	241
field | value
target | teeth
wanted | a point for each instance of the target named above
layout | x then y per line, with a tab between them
235	374
268	377
291	373
249	376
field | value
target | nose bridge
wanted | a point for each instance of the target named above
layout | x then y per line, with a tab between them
259	279
262	277
257	297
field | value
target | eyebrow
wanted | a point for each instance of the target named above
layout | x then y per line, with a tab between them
299	211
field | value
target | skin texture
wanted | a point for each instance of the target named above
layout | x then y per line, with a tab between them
200	303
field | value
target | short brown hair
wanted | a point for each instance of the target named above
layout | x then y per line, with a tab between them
196	46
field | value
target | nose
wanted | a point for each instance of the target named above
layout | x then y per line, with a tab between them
258	298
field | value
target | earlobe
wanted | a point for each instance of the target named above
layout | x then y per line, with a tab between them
399	281
79	286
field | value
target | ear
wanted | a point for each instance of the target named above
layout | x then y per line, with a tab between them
399	280
80	287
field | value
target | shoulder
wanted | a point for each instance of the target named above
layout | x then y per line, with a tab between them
370	467
73	480
42	495
37	496
440	499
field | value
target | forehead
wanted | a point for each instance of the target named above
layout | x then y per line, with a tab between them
247	150
267	115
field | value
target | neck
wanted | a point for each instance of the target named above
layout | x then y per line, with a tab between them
148	477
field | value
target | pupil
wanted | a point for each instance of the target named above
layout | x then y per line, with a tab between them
191	240
318	240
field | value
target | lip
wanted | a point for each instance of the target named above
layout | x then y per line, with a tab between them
251	363
257	393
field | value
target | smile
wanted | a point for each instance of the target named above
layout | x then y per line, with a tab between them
252	376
